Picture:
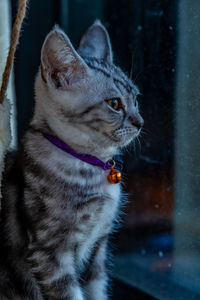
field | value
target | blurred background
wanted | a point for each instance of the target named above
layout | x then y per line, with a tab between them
156	42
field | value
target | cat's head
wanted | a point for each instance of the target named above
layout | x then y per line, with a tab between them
82	96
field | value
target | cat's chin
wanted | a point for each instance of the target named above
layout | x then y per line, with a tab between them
122	142
124	136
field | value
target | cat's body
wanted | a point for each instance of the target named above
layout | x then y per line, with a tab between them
73	216
57	211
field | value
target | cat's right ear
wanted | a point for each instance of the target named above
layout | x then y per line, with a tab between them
96	43
61	65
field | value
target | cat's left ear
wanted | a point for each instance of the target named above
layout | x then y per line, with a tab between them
96	43
61	65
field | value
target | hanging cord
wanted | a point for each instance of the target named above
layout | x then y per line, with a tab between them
13	45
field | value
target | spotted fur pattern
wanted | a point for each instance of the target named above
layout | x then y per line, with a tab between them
57	211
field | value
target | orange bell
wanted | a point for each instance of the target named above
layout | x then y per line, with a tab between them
114	176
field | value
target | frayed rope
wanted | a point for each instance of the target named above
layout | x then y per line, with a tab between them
21	12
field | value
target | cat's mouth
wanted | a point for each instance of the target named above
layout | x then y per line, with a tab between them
126	132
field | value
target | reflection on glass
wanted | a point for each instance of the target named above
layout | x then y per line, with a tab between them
187	149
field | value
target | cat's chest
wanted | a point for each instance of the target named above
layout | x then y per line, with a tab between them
85	201
98	209
95	221
85	193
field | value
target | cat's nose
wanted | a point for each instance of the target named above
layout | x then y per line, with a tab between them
136	120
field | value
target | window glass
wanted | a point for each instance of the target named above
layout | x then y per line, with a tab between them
157	42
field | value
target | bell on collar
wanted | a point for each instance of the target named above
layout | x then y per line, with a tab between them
114	176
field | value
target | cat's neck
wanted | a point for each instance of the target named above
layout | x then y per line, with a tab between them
103	154
91	149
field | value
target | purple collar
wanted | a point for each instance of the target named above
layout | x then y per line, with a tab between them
92	160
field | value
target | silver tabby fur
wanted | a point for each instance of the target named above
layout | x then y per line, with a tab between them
58	211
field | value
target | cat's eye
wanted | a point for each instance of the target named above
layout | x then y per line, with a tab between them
115	103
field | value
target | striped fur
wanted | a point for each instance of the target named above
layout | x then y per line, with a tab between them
57	211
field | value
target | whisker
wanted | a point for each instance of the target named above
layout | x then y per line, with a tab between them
128	150
131	71
139	143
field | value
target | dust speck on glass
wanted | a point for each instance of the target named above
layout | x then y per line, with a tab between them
157	43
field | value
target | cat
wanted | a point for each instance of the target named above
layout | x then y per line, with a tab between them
57	210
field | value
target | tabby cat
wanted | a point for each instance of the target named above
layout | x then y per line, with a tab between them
57	210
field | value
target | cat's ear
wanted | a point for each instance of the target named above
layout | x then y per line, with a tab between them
96	43
61	65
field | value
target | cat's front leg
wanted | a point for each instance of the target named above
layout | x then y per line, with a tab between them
96	278
55	274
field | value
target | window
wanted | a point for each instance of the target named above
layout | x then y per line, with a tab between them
157	41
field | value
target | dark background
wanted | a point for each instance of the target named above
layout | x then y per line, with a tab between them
143	35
